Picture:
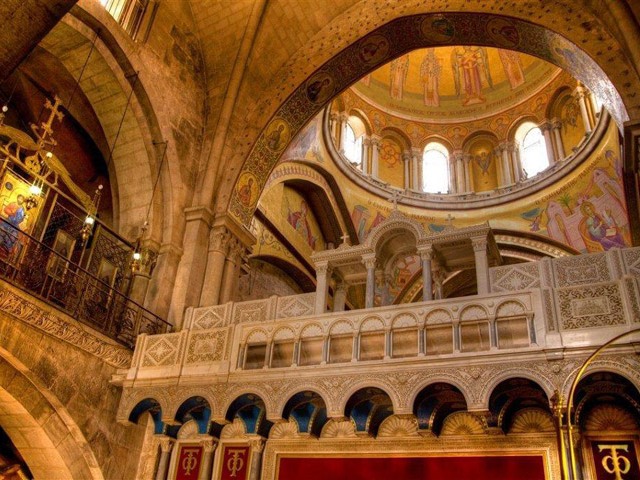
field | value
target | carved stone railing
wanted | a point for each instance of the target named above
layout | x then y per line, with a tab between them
544	307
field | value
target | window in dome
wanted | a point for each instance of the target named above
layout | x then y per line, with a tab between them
352	145
534	152
435	168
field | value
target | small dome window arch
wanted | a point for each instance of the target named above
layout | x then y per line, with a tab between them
435	168
533	149
354	132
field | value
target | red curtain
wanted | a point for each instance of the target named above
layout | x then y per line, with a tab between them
413	468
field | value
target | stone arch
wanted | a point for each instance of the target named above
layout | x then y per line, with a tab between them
136	158
367	383
372	323
172	410
298	388
492	30
399	223
195	408
438	139
31	412
362	116
489	386
450	379
398	136
513	128
603	365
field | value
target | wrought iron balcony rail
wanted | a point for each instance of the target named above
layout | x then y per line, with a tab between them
55	278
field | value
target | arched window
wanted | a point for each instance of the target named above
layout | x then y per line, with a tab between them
435	168
352	145
533	149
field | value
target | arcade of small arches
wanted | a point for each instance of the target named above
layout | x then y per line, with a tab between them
439	165
607	402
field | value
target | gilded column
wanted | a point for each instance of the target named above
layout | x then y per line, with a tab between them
322	287
370	262
166	444
218	250
482	264
375	155
427	289
557	126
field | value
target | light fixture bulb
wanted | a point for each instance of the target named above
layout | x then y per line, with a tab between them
5	109
49	155
35	190
137	256
89	220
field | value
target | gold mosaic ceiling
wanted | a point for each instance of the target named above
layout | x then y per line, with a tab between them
450	84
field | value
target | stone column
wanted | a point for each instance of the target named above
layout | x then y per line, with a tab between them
427	291
580	94
458	156
416	157
468	182
166	444
370	262
257	447
452	175
375	155
482	264
208	447
518	175
415	180
366	148
505	153
231	270
322	287
438	276
340	297
548	140
342	122
334	127
557	126
191	270
406	159
218	250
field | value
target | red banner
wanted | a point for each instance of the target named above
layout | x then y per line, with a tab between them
235	462
615	460
189	461
413	468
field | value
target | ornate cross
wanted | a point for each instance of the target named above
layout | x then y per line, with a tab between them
394	199
344	238
450	219
46	126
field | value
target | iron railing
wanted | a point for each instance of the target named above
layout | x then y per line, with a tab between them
53	277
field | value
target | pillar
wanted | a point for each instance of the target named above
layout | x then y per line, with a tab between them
257	447
482	264
208	447
415	180
458	156
322	287
406	159
518	174
438	279
166	444
580	94
340	297
505	153
452	175
375	155
557	126
468	182
342	125
548	140
416	158
370	264
334	127
218	250
366	148
231	270
427	291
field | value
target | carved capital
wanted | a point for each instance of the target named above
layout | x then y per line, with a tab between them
479	244
406	156
208	444
369	261
426	253
323	268
546	126
166	443
219	240
257	445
